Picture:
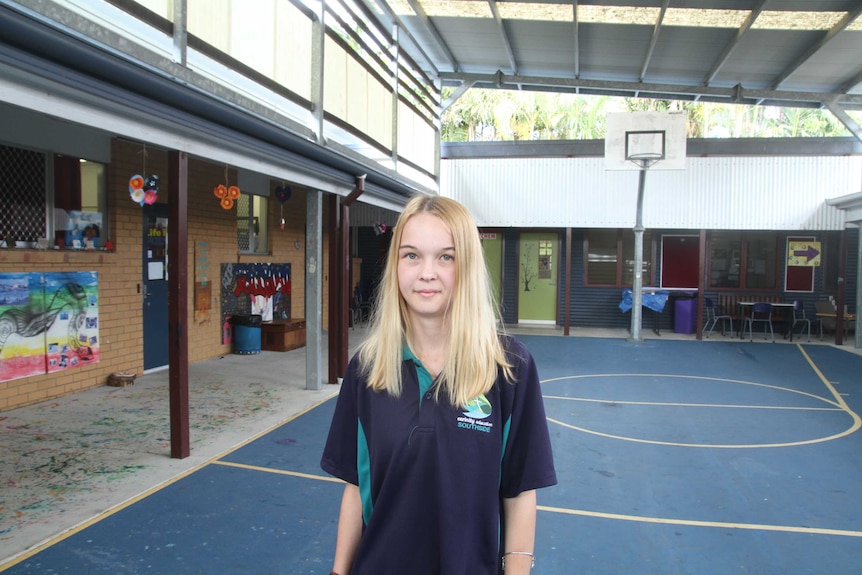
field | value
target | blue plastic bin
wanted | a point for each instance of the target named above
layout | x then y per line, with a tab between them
246	334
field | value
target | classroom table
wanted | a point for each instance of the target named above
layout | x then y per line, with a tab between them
848	319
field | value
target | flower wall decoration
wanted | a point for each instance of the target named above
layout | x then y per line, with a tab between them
227	194
144	190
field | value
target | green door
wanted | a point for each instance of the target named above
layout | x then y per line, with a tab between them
537	275
492	245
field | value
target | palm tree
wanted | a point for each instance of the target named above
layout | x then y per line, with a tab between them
500	115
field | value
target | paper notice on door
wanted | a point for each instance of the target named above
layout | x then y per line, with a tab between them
155	271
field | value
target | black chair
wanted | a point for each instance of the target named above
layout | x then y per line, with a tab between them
799	318
712	316
760	313
360	309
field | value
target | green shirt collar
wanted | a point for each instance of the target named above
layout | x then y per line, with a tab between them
425	379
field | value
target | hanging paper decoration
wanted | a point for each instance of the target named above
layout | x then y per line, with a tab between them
136	188
151	189
227	194
144	190
379	229
283	193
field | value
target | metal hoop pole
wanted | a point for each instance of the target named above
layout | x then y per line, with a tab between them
637	280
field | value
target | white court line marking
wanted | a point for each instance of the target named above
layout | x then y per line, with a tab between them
713	524
840	405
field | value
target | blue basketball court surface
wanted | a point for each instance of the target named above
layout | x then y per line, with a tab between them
673	457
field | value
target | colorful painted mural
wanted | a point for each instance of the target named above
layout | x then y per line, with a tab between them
255	288
48	322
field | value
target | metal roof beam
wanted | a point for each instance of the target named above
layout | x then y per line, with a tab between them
576	38
845	118
504	36
459	91
728	50
432	29
735	94
384	7
654	39
814	48
851	83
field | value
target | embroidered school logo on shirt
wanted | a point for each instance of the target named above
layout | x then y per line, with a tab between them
477	410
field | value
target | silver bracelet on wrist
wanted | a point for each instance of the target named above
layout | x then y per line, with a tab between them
503	559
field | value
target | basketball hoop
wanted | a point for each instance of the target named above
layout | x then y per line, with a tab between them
646	159
645	147
641	140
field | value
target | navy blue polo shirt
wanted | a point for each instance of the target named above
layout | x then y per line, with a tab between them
432	476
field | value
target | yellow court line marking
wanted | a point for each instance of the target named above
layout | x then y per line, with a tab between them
635	518
857	422
825	380
694	523
279	471
117	508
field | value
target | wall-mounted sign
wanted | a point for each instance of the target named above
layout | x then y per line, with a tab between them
803	253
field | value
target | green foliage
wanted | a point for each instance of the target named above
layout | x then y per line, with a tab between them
501	115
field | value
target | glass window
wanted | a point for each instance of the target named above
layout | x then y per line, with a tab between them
35	211
602	257
546	253
725	258
252	231
754	252
628	247
610	257
761	261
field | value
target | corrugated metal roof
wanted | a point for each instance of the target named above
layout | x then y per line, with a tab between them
780	193
794	52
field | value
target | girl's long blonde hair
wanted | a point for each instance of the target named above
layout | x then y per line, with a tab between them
476	353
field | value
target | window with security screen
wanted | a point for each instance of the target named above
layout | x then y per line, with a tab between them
45	194
251	217
23	216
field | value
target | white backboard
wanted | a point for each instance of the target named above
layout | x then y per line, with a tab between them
645	132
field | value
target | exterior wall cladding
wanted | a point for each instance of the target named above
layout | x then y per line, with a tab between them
597	306
783	194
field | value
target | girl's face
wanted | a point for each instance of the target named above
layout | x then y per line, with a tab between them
426	266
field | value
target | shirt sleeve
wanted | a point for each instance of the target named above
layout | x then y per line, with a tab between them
528	461
340	453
